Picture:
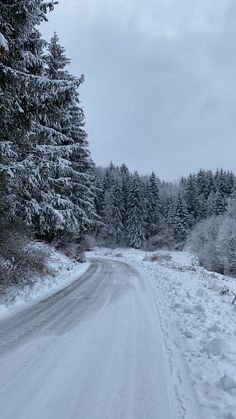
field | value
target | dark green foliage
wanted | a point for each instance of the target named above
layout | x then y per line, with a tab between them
158	214
135	213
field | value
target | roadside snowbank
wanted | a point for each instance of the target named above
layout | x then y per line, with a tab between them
63	271
197	318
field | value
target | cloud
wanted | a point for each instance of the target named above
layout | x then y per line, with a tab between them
160	75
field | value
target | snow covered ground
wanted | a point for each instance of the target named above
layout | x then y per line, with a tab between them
63	271
93	350
197	319
194	312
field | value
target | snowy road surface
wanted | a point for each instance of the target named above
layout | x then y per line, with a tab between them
90	351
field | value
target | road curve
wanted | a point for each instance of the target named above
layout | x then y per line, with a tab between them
90	351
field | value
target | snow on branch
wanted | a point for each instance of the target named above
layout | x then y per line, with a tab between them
48	5
3	45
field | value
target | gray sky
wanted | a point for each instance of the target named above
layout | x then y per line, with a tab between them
160	80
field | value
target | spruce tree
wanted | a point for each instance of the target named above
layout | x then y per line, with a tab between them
153	206
135	214
72	201
20	92
125	184
45	165
181	219
191	195
219	202
117	209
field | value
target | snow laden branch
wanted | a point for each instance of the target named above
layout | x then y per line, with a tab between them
45	145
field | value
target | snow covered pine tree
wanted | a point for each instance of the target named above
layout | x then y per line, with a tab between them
70	206
45	163
135	212
17	21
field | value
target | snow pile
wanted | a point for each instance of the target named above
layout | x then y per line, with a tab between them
62	270
197	318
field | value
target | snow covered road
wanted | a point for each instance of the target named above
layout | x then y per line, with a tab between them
93	350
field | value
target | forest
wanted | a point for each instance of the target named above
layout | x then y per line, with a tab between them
198	213
52	191
117	275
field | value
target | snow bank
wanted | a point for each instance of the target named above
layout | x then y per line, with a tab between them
197	318
63	271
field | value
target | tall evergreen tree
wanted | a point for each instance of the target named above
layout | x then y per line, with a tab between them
191	197
70	207
45	165
153	206
125	183
20	90
135	215
181	219
117	210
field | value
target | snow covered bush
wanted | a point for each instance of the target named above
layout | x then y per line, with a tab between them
20	258
214	241
202	242
226	246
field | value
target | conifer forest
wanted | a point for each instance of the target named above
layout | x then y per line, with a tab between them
117	285
50	185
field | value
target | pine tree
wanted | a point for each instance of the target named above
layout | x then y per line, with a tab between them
117	209
191	197
219	202
70	165
20	90
99	191
153	206
181	219
45	165
169	211
108	183
205	183
135	215
125	184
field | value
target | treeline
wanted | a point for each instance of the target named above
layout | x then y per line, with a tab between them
142	211
49	184
45	164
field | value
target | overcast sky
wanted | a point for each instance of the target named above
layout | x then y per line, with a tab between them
160	80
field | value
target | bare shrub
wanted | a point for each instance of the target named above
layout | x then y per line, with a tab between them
36	256
20	258
160	258
80	258
72	251
156	257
